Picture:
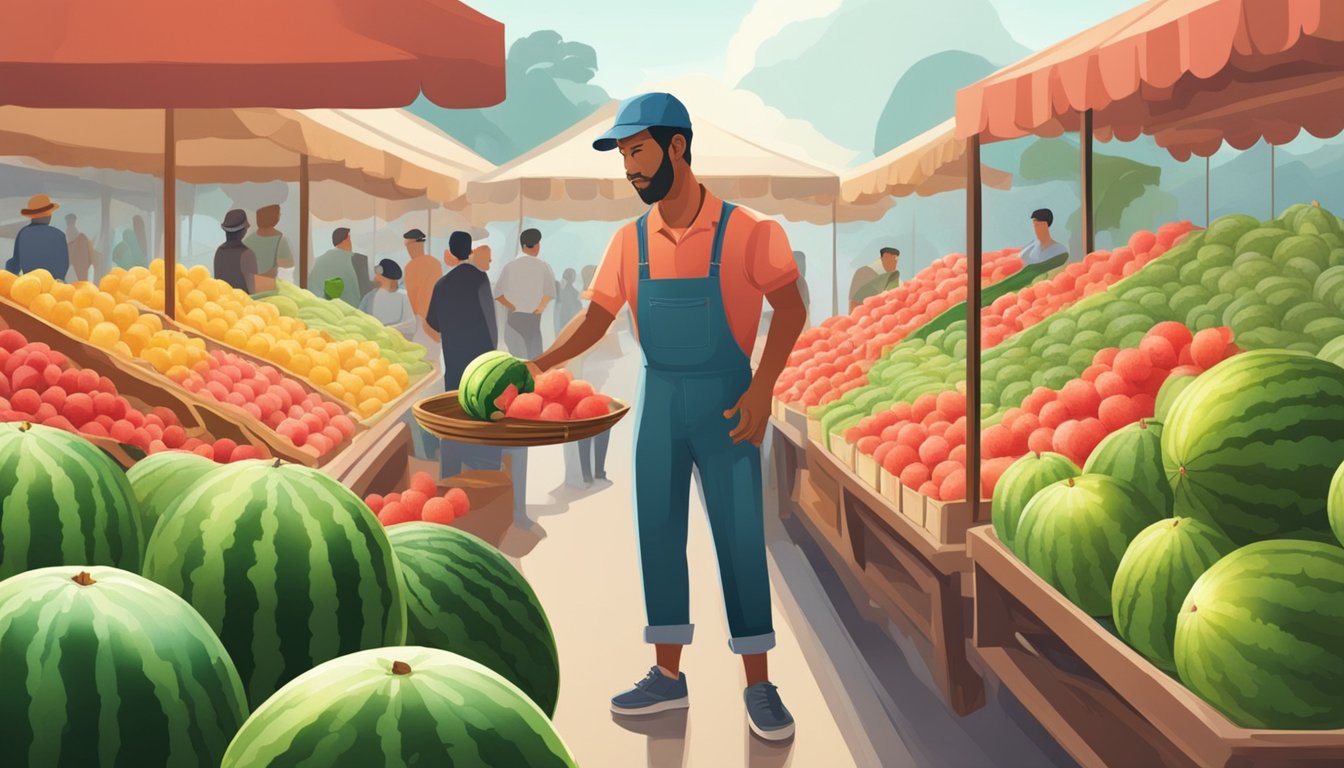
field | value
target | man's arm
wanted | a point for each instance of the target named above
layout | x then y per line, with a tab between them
542	307
548	289
507	304
13	264
432	313
787	325
578	337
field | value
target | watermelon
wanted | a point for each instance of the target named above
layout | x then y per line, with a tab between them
486	379
1335	504
1251	445
159	479
396	707
463	596
1019	483
62	502
1134	453
1333	352
104	668
1154	576
1260	633
1167	394
288	566
1074	532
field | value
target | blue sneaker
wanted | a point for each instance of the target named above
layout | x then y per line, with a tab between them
766	713
655	693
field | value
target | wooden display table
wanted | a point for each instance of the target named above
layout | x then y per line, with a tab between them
378	459
1103	702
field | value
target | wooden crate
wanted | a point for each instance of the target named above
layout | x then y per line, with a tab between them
491	496
796	420
948	521
819	492
1103	702
891	490
844	452
912	505
865	466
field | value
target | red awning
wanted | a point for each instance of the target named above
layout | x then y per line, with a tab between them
1191	73
249	53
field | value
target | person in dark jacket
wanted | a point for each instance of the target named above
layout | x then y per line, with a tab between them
40	245
235	263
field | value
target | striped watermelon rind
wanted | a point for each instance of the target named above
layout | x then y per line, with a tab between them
63	502
463	596
1021	481
398	707
288	566
159	479
486	378
1251	445
1334	503
111	670
1134	454
1155	575
1260	633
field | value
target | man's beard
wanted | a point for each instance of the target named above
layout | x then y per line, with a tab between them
659	185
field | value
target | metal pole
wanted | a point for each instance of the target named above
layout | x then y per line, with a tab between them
169	213
304	206
1207	166
1273	202
974	247
835	258
1085	142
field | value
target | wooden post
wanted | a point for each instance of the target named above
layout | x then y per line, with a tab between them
169	213
1088	220
1273	202
835	260
974	254
304	235
1207	167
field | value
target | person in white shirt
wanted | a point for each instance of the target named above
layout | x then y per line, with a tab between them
526	285
1044	248
387	303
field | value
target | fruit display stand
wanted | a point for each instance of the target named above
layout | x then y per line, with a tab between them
491	495
1099	698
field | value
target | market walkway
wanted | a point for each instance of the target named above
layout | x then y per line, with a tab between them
585	571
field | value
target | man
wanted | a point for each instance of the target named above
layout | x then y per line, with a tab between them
235	263
526	286
1044	251
83	258
695	269
341	261
271	248
872	279
422	273
481	258
462	315
40	245
388	304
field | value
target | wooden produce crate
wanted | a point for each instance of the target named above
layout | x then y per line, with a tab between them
1103	702
844	451
949	521
491	496
866	467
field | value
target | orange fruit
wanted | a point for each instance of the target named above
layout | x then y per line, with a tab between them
61	313
320	375
123	315
105	303
157	357
6	281
25	288
300	363
78	327
105	335
43	305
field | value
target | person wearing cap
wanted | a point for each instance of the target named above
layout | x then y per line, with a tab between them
526	286
40	245
271	248
386	302
341	261
422	274
695	269
235	263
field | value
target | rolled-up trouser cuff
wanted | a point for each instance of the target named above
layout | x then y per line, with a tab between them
746	646
669	634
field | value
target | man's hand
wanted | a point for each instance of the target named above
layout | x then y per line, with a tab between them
534	369
539	310
753	408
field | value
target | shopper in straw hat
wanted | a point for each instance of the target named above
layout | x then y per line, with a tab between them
40	245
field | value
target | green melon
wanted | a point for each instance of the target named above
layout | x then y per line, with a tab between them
1227	230
1252	443
104	668
159	479
1260	240
463	596
1333	351
394	708
1019	483
287	565
1324	330
1209	281
1297	318
1260	633
1308	247
1314	220
1335	504
1166	396
1074	532
486	378
63	502
1134	454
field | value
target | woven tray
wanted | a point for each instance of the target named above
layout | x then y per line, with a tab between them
442	416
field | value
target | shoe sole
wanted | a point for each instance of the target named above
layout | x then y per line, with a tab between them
779	734
652	709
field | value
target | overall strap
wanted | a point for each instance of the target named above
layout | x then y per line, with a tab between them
642	235
717	253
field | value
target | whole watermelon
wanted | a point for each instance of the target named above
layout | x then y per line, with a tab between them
1261	632
1019	483
1134	454
398	707
463	596
1251	445
1335	504
101	667
288	566
1074	532
1154	576
486	378
159	479
62	501
1167	394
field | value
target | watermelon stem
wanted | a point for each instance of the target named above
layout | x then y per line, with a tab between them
1070	482
25	426
401	668
83	579
1143	423
277	464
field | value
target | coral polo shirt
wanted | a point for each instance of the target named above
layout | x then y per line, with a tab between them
757	260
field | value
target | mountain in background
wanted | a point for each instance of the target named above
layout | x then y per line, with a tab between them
925	95
839	72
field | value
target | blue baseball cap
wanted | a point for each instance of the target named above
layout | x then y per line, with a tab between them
640	113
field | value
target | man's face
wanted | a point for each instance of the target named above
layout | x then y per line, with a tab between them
481	258
1041	228
648	168
889	261
415	248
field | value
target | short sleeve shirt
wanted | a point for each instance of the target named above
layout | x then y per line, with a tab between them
524	280
757	260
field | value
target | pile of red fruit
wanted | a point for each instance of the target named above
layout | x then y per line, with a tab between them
833	358
38	384
420	502
556	396
307	419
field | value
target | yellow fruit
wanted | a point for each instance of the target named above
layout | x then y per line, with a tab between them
300	364
63	291
369	407
6	281
316	342
193	299
105	303
92	315
25	288
124	314
258	345
123	349
142	275
281	355
43	305
178	373
179	355
349	399
78	327
235	337
196	343
83	295
216	328
105	335
196	318
321	375
158	357
137	335
61	313
156	267
388	385
369	348
358	359
154	322
142	292
397	372
335	389
350	381
198	274
124	286
373	393
231	317
365	375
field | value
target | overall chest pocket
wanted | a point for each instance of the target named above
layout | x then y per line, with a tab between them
676	323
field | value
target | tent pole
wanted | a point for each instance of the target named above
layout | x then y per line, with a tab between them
835	258
1273	202
169	213
1085	142
191	224
974	245
304	206
1207	166
517	241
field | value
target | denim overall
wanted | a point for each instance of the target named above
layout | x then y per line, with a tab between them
694	370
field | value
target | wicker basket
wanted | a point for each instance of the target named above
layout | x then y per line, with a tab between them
443	417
